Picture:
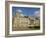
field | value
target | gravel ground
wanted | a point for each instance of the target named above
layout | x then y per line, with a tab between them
24	28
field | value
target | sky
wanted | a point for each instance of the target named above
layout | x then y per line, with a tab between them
27	11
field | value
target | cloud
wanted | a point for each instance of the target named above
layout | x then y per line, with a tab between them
37	13
18	10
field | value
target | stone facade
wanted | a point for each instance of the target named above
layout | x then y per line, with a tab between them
21	21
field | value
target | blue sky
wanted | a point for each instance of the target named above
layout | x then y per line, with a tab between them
25	10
